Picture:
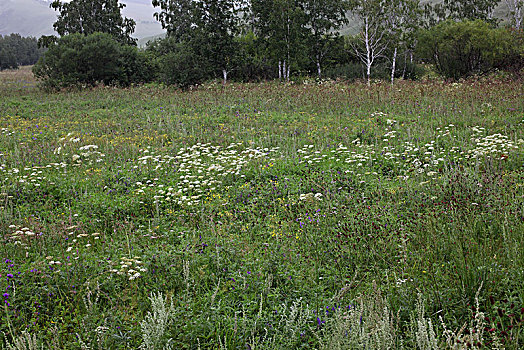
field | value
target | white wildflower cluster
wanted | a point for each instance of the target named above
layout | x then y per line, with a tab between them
35	176
410	158
6	132
201	169
70	137
20	235
87	154
493	146
79	241
308	155
379	115
130	267
389	135
30	177
391	121
362	155
444	132
52	261
311	197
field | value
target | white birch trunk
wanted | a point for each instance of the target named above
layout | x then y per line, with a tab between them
369	60
319	70
393	66
224	74
515	8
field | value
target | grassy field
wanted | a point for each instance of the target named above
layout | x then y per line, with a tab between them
264	216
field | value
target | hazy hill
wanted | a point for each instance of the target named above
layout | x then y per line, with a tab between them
35	18
26	17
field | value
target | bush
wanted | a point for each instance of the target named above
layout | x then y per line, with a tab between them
355	70
89	60
253	63
461	49
178	63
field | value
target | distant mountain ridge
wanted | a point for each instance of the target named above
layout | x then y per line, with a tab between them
35	18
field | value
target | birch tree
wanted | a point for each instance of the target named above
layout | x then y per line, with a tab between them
281	25
219	26
91	16
323	18
403	18
464	10
208	26
372	39
177	17
515	9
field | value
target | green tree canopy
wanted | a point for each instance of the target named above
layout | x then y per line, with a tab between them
460	49
94	16
208	27
177	17
16	50
462	10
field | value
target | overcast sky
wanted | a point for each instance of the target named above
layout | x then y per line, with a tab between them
35	18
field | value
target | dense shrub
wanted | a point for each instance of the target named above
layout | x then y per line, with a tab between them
460	49
78	59
178	63
253	63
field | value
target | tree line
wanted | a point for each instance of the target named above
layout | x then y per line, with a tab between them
250	40
16	51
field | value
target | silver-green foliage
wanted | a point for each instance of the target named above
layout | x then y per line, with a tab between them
155	324
24	341
369	324
424	330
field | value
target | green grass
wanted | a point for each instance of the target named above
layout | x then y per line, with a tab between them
269	215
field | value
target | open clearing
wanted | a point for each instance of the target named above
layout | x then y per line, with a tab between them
269	215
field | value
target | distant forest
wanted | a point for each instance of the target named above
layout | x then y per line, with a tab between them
257	40
18	51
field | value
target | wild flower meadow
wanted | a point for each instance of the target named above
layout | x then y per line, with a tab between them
263	216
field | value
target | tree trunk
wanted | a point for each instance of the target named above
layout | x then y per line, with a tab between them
368	73
405	66
279	70
515	9
224	74
393	66
319	68
369	61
